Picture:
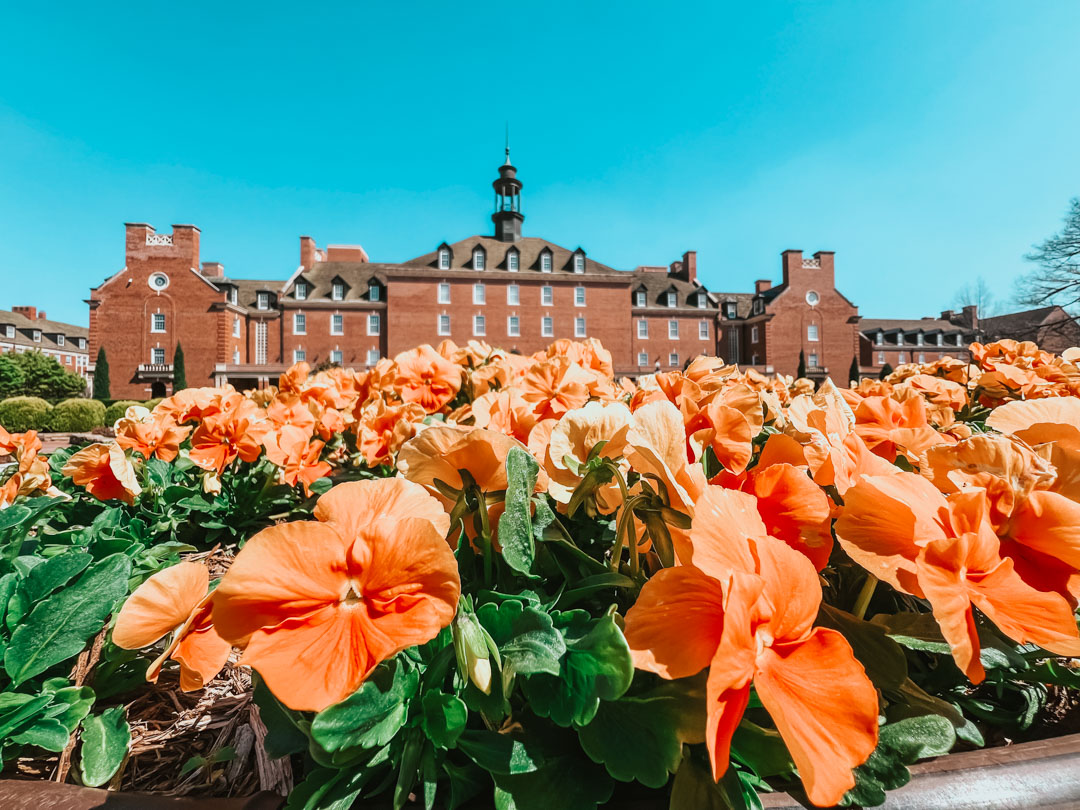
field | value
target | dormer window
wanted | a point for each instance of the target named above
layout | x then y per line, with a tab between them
639	298
512	260
672	299
59	340
444	258
702	300
9	331
579	262
478	258
301	290
730	309
545	261
759	306
373	292
337	291
233	296
37	336
879	339
919	339
940	339
262	300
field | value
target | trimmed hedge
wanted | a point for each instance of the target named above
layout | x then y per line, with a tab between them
19	414
77	416
117	410
153	403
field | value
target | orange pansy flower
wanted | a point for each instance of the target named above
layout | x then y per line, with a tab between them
425	377
321	603
104	471
555	386
237	430
158	436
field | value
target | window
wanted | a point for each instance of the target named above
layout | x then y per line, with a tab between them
673	359
9	331
233	296
579	263
335	356
444	258
373	292
513	326
639	298
919	339
730	310
337	324
940	339
759	306
673	330
301	291
373	323
479	295
547	326
157	322
672	299
642	359
512	259
643	329
299	355
579	327
922	357
262	300
260	343
545	262
513	295
812	361
37	337
702	300
60	340
812	298
372	356
299	323
547	295
879	338
444	293
703	330
479	328
337	292
812	332
478	259
579	296
236	327
881	358
902	358
753	334
157	357
236	357
444	324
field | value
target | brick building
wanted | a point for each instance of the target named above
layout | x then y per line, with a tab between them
514	291
25	329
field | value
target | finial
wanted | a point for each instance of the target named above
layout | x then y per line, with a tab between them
507	144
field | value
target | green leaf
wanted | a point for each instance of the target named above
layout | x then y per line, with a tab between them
59	627
597	666
515	525
46	732
881	656
444	718
327	789
283	735
920	631
569	782
51	574
636	739
105	741
899	744
371	716
409	767
501	753
526	637
70	705
761	750
694	789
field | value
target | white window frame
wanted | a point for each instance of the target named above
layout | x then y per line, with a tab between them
919	339
513	326
547	296
443	296
673	330
673	359
153	322
702	300
374	323
374	293
236	327
546	261
731	310
337	291
233	296
579	263
940	338
703	330
812	332
479	258
643	329
922	357
479	326
337	324
812	360
479	293
300	291
262	301
901	358
299	323
513	295
336	356
59	340
236	357
373	356
299	355
579	296
37	336
881	358
672	300
154	356
642	359
879	339
440	329
513	260
579	327
639	298
444	258
547	326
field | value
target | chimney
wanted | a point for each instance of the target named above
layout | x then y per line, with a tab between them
790	261
689	265
41	316
761	285
307	252
947	315
27	312
970	316
213	269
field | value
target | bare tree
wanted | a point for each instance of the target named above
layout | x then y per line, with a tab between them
977	292
1057	279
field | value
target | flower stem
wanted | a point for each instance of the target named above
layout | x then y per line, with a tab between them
863	600
485	538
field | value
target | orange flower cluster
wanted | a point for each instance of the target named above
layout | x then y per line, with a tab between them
31	474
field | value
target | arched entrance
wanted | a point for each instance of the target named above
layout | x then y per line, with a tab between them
157	390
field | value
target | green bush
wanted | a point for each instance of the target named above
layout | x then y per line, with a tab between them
117	410
19	414
150	404
44	377
77	416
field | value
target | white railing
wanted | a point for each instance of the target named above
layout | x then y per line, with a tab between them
156	368
159	238
811	264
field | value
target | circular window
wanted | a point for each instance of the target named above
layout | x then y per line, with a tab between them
812	298
158	281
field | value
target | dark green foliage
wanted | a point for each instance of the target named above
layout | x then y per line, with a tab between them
150	404
19	414
77	416
853	373
117	410
101	376
179	372
802	365
886	370
12	379
44	377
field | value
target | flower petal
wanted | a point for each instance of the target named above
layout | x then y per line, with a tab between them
351	506
160	605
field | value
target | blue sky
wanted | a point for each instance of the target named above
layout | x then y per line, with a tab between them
927	143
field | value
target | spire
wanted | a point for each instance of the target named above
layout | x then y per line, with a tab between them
507	216
507	163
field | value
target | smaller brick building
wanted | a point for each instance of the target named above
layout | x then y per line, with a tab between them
25	329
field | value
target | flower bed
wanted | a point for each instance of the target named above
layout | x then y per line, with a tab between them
471	577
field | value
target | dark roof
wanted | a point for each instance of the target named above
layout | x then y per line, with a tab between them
657	285
321	276
1026	319
1051	327
743	302
909	325
528	247
24	328
247	289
